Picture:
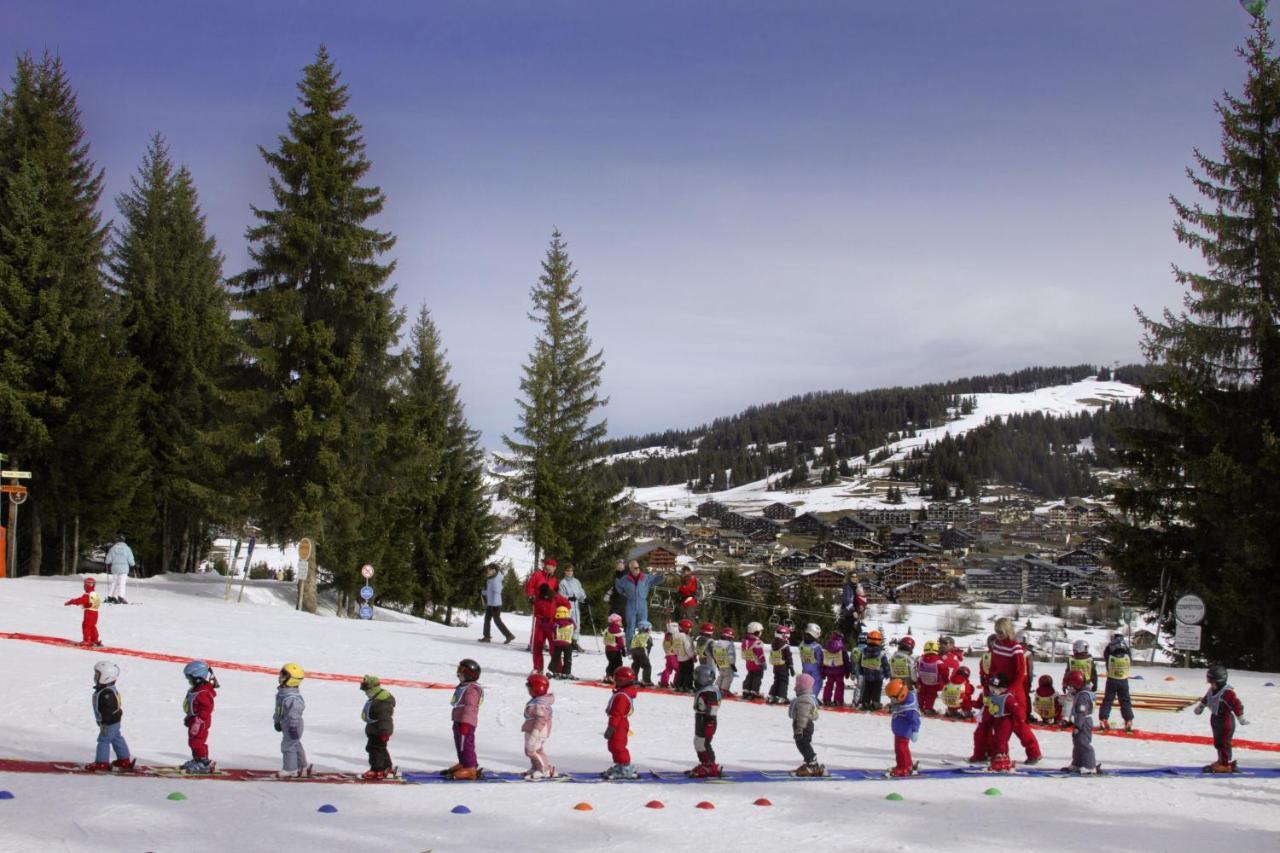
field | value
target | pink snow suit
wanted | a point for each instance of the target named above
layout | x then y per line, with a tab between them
537	728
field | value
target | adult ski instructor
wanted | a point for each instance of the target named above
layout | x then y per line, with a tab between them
119	562
634	587
571	588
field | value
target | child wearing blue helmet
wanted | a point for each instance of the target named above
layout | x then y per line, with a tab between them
198	707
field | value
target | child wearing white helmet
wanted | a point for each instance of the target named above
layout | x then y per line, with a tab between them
1082	662
756	660
780	661
288	721
108	711
811	656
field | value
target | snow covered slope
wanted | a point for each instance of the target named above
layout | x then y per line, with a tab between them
1060	400
45	715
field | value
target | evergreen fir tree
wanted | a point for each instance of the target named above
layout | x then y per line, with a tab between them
65	412
442	512
560	496
319	329
1204	501
177	324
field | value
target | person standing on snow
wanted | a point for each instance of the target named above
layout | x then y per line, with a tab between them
571	589
634	587
1224	709
853	602
288	721
108	711
1009	659
493	604
198	707
89	623
119	562
1119	660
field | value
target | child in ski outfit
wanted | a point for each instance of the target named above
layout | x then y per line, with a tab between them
537	727
641	643
873	668
615	644
724	656
957	696
562	632
706	708
378	715
620	706
1046	703
467	698
811	656
803	712
1079	699
902	664
108	711
1119	662
671	663
702	645
1001	709
1081	661
932	674
780	662
91	602
754	656
835	666
198	707
905	724
1224	709
288	720
686	655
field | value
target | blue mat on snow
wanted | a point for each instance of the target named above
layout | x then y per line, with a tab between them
665	777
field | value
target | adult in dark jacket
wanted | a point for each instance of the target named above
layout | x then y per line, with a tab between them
617	601
853	601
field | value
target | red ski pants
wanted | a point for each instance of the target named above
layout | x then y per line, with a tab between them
618	743
928	695
198	739
902	752
89	627
541	637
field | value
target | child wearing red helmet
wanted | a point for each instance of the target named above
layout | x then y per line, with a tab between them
957	695
1046	703
1080	699
622	703
91	602
537	727
686	656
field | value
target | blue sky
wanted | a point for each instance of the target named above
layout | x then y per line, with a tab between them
761	199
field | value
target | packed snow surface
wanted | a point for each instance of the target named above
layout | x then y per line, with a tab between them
45	715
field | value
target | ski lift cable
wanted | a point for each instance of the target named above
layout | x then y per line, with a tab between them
774	607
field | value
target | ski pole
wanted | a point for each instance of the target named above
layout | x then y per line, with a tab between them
594	633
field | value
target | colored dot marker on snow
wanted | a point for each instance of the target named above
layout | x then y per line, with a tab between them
328	809
1170	678
6	795
177	795
460	810
895	796
582	807
763	801
992	792
706	805
1269	684
654	804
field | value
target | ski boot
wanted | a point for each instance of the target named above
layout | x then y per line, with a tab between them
621	771
197	766
124	763
1128	727
373	775
1219	767
706	771
1104	725
1001	764
448	774
1031	762
913	770
466	774
977	759
810	770
98	767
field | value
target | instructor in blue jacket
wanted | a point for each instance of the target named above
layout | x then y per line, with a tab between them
634	587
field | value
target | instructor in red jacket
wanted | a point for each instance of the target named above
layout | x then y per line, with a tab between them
1008	658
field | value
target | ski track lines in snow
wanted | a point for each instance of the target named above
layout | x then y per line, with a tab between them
1166	737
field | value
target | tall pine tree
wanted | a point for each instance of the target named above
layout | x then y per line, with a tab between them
65	411
560	495
1204	500
177	323
442	514
320	327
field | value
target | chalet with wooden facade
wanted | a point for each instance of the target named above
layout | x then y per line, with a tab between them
779	511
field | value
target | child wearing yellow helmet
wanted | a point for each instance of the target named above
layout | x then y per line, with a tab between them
562	630
288	721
